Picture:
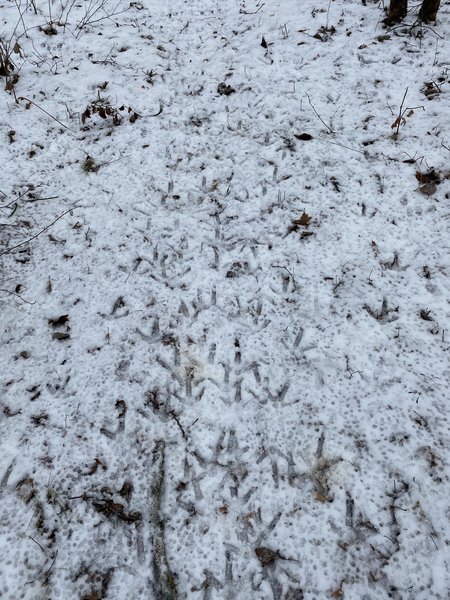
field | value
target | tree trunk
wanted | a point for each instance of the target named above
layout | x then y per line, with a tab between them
429	10
397	11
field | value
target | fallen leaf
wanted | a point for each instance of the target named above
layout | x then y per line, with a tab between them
59	335
428	189
321	498
305	137
398	121
425	315
430	177
62	320
224	89
304	220
266	556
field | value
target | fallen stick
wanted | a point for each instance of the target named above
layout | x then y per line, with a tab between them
165	588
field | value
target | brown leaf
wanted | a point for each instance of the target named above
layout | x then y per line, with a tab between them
26	489
224	89
321	498
425	315
62	320
398	121
428	189
335	183
305	137
115	510
430	89
59	335
126	491
264	44
304	220
294	594
181	487
430	177
9	87
121	407
266	556
95	465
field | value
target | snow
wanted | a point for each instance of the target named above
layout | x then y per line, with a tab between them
284	379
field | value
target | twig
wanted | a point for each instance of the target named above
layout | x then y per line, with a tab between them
164	579
294	281
21	17
159	111
417	23
52	565
47	113
37	543
177	421
37	234
328	14
343	146
317	114
400	112
400	120
18	296
401	105
38	199
93	9
185	27
4	479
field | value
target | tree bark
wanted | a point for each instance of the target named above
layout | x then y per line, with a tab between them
397	11
428	10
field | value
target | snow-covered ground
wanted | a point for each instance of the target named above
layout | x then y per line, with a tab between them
225	301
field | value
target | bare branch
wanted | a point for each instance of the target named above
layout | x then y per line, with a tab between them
9	250
317	114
